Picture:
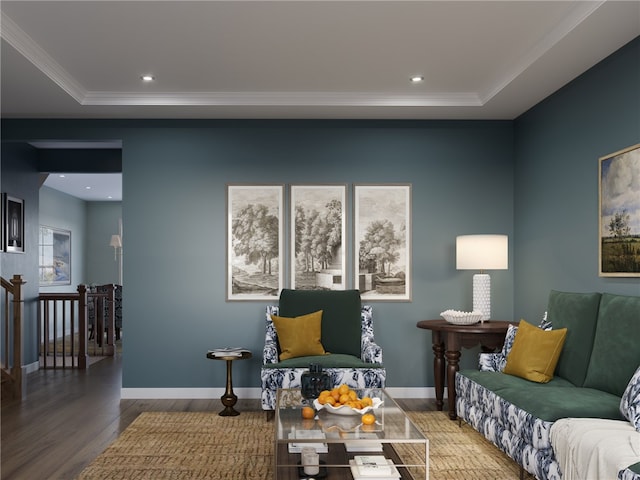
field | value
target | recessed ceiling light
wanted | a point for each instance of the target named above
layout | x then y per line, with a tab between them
87	188
148	78
61	176
417	79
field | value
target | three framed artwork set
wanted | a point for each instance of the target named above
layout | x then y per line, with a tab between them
320	246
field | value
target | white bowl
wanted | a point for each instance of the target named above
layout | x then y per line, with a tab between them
346	409
461	318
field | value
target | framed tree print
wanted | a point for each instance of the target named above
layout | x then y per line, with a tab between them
318	237
254	242
382	234
619	216
14	224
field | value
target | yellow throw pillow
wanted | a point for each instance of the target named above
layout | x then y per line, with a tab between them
299	336
535	352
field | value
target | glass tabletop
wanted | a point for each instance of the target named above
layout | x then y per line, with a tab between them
391	425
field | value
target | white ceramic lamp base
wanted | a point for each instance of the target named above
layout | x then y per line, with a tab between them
482	294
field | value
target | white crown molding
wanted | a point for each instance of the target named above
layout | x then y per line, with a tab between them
282	98
27	47
578	15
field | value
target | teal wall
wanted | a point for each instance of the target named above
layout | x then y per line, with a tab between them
558	144
102	222
534	179
174	178
59	210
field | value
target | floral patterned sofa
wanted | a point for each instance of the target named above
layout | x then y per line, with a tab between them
599	358
347	332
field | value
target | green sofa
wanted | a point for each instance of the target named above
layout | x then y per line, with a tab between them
599	357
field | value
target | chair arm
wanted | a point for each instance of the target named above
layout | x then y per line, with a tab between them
269	353
270	350
371	353
492	362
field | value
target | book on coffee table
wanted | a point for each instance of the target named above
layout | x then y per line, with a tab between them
362	443
374	471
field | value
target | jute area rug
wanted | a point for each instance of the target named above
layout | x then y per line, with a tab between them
197	445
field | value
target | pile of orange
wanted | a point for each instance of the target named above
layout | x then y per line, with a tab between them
343	395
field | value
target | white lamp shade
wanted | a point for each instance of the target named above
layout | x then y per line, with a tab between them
116	241
482	252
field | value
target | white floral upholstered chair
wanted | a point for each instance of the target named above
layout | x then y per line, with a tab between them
352	356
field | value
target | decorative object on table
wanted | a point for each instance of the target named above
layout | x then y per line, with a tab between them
462	318
228	352
13	215
619	216
54	253
346	409
229	399
482	252
382	234
310	461
312	206
314	381
255	242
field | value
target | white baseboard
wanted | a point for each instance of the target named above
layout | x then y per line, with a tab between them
30	368
246	393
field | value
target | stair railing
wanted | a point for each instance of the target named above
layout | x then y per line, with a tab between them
64	328
11	320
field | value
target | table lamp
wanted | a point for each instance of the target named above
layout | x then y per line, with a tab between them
482	252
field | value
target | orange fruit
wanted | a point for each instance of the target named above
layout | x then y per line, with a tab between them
368	419
367	402
335	394
343	389
308	412
330	400
344	398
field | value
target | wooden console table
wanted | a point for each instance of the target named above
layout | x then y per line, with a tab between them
448	339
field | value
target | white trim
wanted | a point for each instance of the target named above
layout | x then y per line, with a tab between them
186	393
23	43
250	393
30	368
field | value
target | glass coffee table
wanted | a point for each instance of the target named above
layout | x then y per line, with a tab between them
341	440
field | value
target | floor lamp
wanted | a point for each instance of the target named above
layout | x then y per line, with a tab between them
482	252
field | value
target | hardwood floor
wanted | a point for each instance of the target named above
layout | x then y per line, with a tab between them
69	417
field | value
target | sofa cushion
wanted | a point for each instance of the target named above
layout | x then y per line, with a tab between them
549	401
299	336
630	402
577	312
535	352
341	324
615	354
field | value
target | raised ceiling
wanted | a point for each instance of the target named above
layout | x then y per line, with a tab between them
300	59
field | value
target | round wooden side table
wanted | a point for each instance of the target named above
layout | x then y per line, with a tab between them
229	398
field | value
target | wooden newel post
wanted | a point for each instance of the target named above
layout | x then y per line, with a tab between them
83	332
18	312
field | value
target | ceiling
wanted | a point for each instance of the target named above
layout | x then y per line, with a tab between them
299	59
103	187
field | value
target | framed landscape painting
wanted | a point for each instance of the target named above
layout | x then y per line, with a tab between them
382	234
318	237
54	252
619	214
254	242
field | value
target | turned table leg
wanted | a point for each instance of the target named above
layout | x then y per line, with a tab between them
229	399
438	369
